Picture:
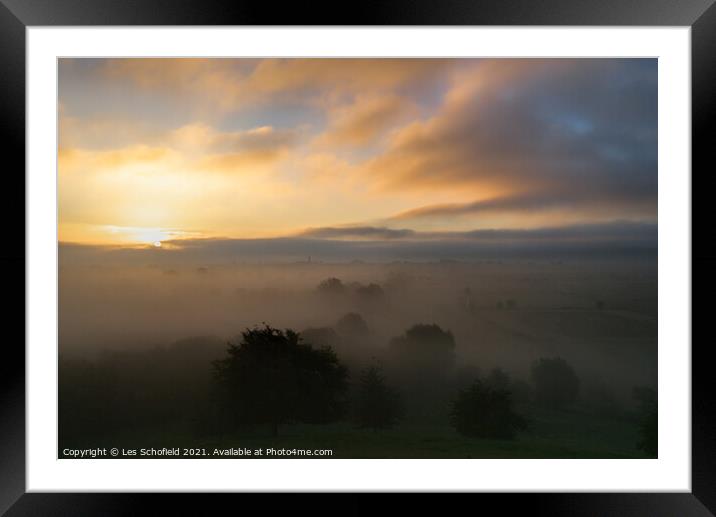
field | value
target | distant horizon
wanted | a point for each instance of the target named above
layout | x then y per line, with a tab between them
616	240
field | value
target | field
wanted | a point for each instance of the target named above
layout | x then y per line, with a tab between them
122	350
553	434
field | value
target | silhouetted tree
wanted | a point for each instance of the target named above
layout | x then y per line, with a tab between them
555	382
649	420
370	292
481	411
140	385
421	361
499	379
425	347
465	376
84	392
331	286
520	391
352	325
377	406
272	377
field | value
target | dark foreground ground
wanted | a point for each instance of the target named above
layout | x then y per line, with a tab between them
554	434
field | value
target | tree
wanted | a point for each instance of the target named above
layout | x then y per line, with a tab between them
425	347
556	384
271	377
521	391
369	293
352	325
465	375
421	361
481	411
331	286
377	406
499	379
648	420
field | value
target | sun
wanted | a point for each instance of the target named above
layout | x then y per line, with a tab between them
157	244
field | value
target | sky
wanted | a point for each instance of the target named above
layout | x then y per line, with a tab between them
174	152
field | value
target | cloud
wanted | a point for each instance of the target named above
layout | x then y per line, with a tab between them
359	232
197	145
400	148
326	167
234	150
574	129
365	119
234	83
205	139
103	132
608	241
558	200
160	72
476	207
92	160
610	231
194	177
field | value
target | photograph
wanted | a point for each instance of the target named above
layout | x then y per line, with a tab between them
343	258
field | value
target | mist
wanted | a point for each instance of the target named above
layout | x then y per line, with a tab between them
600	314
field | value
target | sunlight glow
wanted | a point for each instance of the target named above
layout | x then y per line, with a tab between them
139	235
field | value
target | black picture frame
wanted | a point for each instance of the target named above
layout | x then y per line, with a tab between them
16	15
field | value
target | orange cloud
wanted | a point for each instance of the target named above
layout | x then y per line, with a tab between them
197	145
348	75
569	131
366	118
105	132
239	162
170	74
231	83
90	160
230	151
447	145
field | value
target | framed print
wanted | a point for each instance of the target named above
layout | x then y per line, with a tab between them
437	250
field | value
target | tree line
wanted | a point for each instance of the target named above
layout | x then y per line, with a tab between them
272	377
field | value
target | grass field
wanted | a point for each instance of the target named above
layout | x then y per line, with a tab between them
553	434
